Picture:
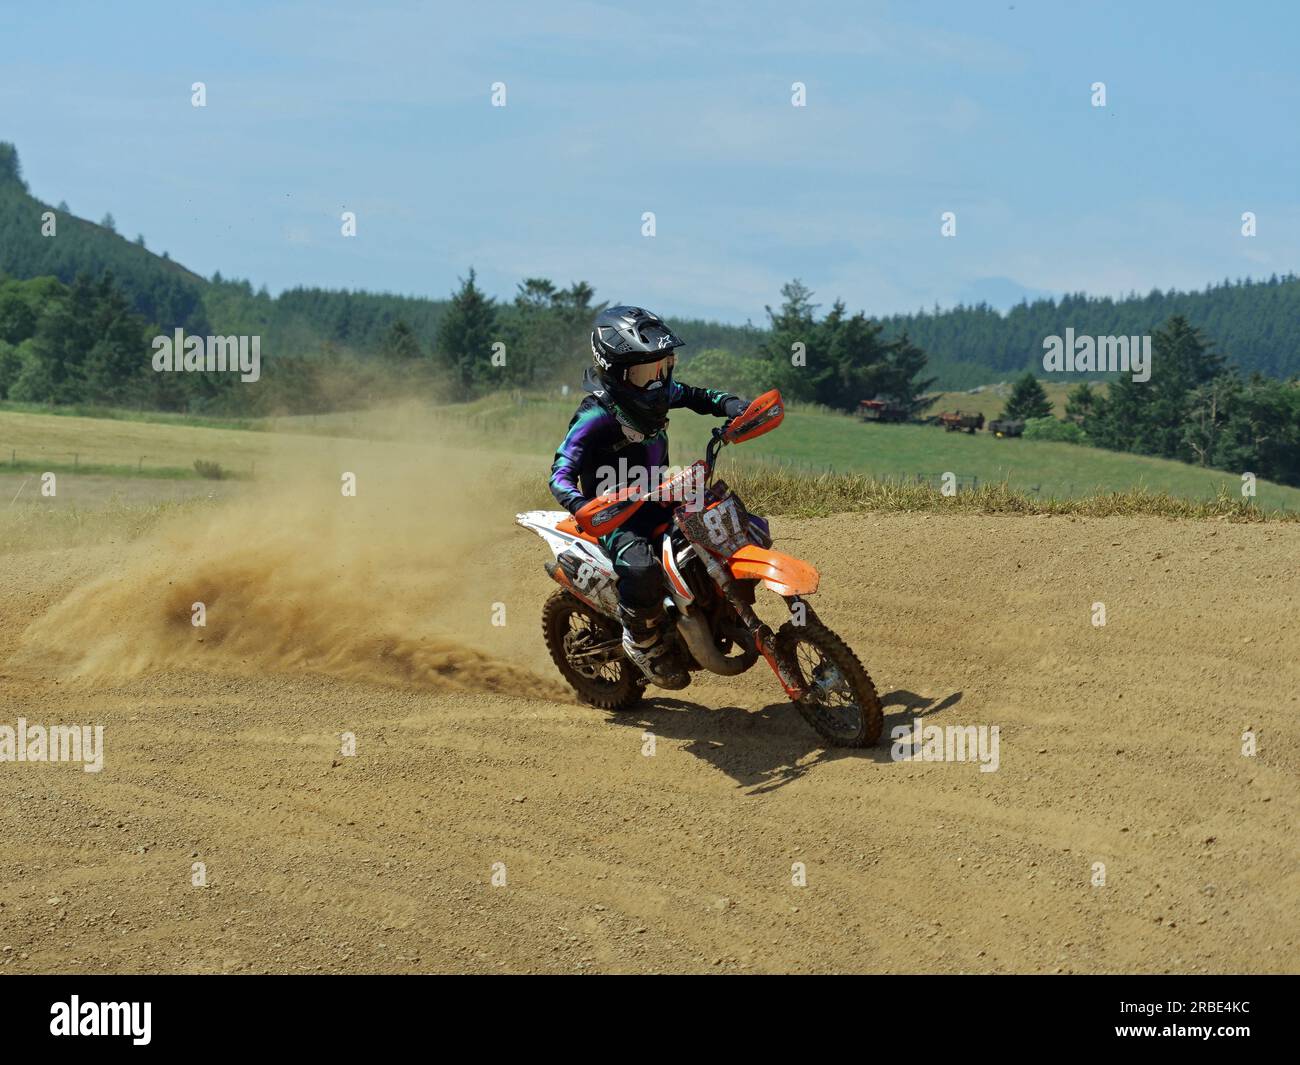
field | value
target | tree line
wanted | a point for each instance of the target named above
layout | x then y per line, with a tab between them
1196	408
970	345
965	345
84	343
836	360
78	313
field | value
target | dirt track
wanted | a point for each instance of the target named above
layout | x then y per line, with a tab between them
1119	745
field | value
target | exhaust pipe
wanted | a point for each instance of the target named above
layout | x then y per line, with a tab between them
695	634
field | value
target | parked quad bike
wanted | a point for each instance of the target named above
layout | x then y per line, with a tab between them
714	555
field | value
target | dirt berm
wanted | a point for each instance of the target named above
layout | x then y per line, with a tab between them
1124	829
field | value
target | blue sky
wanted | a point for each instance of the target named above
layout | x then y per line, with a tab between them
612	110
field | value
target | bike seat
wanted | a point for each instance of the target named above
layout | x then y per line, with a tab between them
569	525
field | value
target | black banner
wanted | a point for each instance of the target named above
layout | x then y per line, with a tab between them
1225	1014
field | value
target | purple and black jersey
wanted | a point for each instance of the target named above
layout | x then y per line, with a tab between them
596	445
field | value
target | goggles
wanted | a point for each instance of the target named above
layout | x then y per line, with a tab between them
650	374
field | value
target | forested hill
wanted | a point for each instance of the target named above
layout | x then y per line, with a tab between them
162	291
300	321
1256	324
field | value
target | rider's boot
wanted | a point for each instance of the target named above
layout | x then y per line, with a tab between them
644	644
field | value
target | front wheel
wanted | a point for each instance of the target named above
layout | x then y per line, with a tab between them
841	701
587	649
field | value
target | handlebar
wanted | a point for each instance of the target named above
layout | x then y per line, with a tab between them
716	444
610	510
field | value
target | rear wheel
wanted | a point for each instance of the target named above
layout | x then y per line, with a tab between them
587	649
841	701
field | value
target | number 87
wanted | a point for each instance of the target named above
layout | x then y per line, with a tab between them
713	520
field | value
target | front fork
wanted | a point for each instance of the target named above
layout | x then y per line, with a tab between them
762	635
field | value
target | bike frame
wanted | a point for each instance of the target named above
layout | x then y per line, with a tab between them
574	541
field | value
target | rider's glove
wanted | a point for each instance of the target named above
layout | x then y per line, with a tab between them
735	406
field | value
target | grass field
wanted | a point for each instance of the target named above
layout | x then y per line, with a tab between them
991	401
819	441
121	446
810	441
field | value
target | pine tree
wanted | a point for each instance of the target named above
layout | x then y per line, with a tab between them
1121	419
468	332
1027	400
118	360
905	362
17	315
1181	363
1207	411
533	330
400	343
1079	403
11	364
11	170
66	332
1261	431
842	360
793	325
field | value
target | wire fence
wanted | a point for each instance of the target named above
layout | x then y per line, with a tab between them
143	464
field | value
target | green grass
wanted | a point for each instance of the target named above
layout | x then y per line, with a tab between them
876	460
990	404
775	491
125	446
102	469
816	441
154	417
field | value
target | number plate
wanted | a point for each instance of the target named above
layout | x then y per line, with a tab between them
723	528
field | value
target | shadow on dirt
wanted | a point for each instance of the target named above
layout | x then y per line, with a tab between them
913	706
768	748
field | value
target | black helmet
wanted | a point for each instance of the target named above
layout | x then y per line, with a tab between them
627	337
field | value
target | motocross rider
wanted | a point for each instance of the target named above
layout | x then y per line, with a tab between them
622	424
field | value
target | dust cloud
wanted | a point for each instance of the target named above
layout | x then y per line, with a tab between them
389	585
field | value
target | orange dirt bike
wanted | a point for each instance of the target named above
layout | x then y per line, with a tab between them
714	556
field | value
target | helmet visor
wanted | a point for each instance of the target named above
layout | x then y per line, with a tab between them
650	374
